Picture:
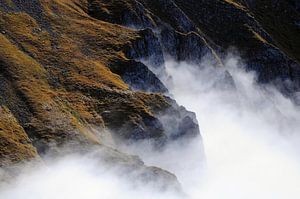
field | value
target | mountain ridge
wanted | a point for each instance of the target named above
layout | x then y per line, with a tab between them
74	71
66	87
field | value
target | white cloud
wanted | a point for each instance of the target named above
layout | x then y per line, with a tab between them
250	136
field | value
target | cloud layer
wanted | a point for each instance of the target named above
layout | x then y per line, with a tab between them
250	135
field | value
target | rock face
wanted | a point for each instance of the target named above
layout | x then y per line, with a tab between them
230	24
281	21
188	30
179	37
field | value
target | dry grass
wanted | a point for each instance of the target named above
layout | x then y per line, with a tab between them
61	73
15	145
236	3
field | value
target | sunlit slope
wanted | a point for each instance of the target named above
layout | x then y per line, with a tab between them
60	76
14	142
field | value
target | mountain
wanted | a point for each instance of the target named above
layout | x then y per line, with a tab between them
85	73
264	33
65	80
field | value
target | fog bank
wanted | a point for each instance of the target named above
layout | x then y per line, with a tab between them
250	133
77	177
251	144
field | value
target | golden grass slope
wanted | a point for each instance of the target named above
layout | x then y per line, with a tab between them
58	67
15	146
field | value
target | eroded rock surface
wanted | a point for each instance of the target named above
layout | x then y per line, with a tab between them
265	34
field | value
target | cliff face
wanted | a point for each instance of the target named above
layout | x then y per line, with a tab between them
256	29
281	19
264	33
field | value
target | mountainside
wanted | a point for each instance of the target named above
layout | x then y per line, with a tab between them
266	40
65	79
86	73
264	36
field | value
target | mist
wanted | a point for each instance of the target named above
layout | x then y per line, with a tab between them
250	132
77	177
249	146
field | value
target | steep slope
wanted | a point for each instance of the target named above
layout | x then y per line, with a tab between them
230	25
14	142
265	38
67	79
281	19
71	73
177	34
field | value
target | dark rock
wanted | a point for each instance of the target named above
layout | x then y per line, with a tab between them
178	123
227	25
189	47
178	35
139	76
147	48
190	29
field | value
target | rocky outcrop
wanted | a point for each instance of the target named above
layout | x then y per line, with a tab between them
132	168
190	47
148	48
139	76
179	124
190	29
177	34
